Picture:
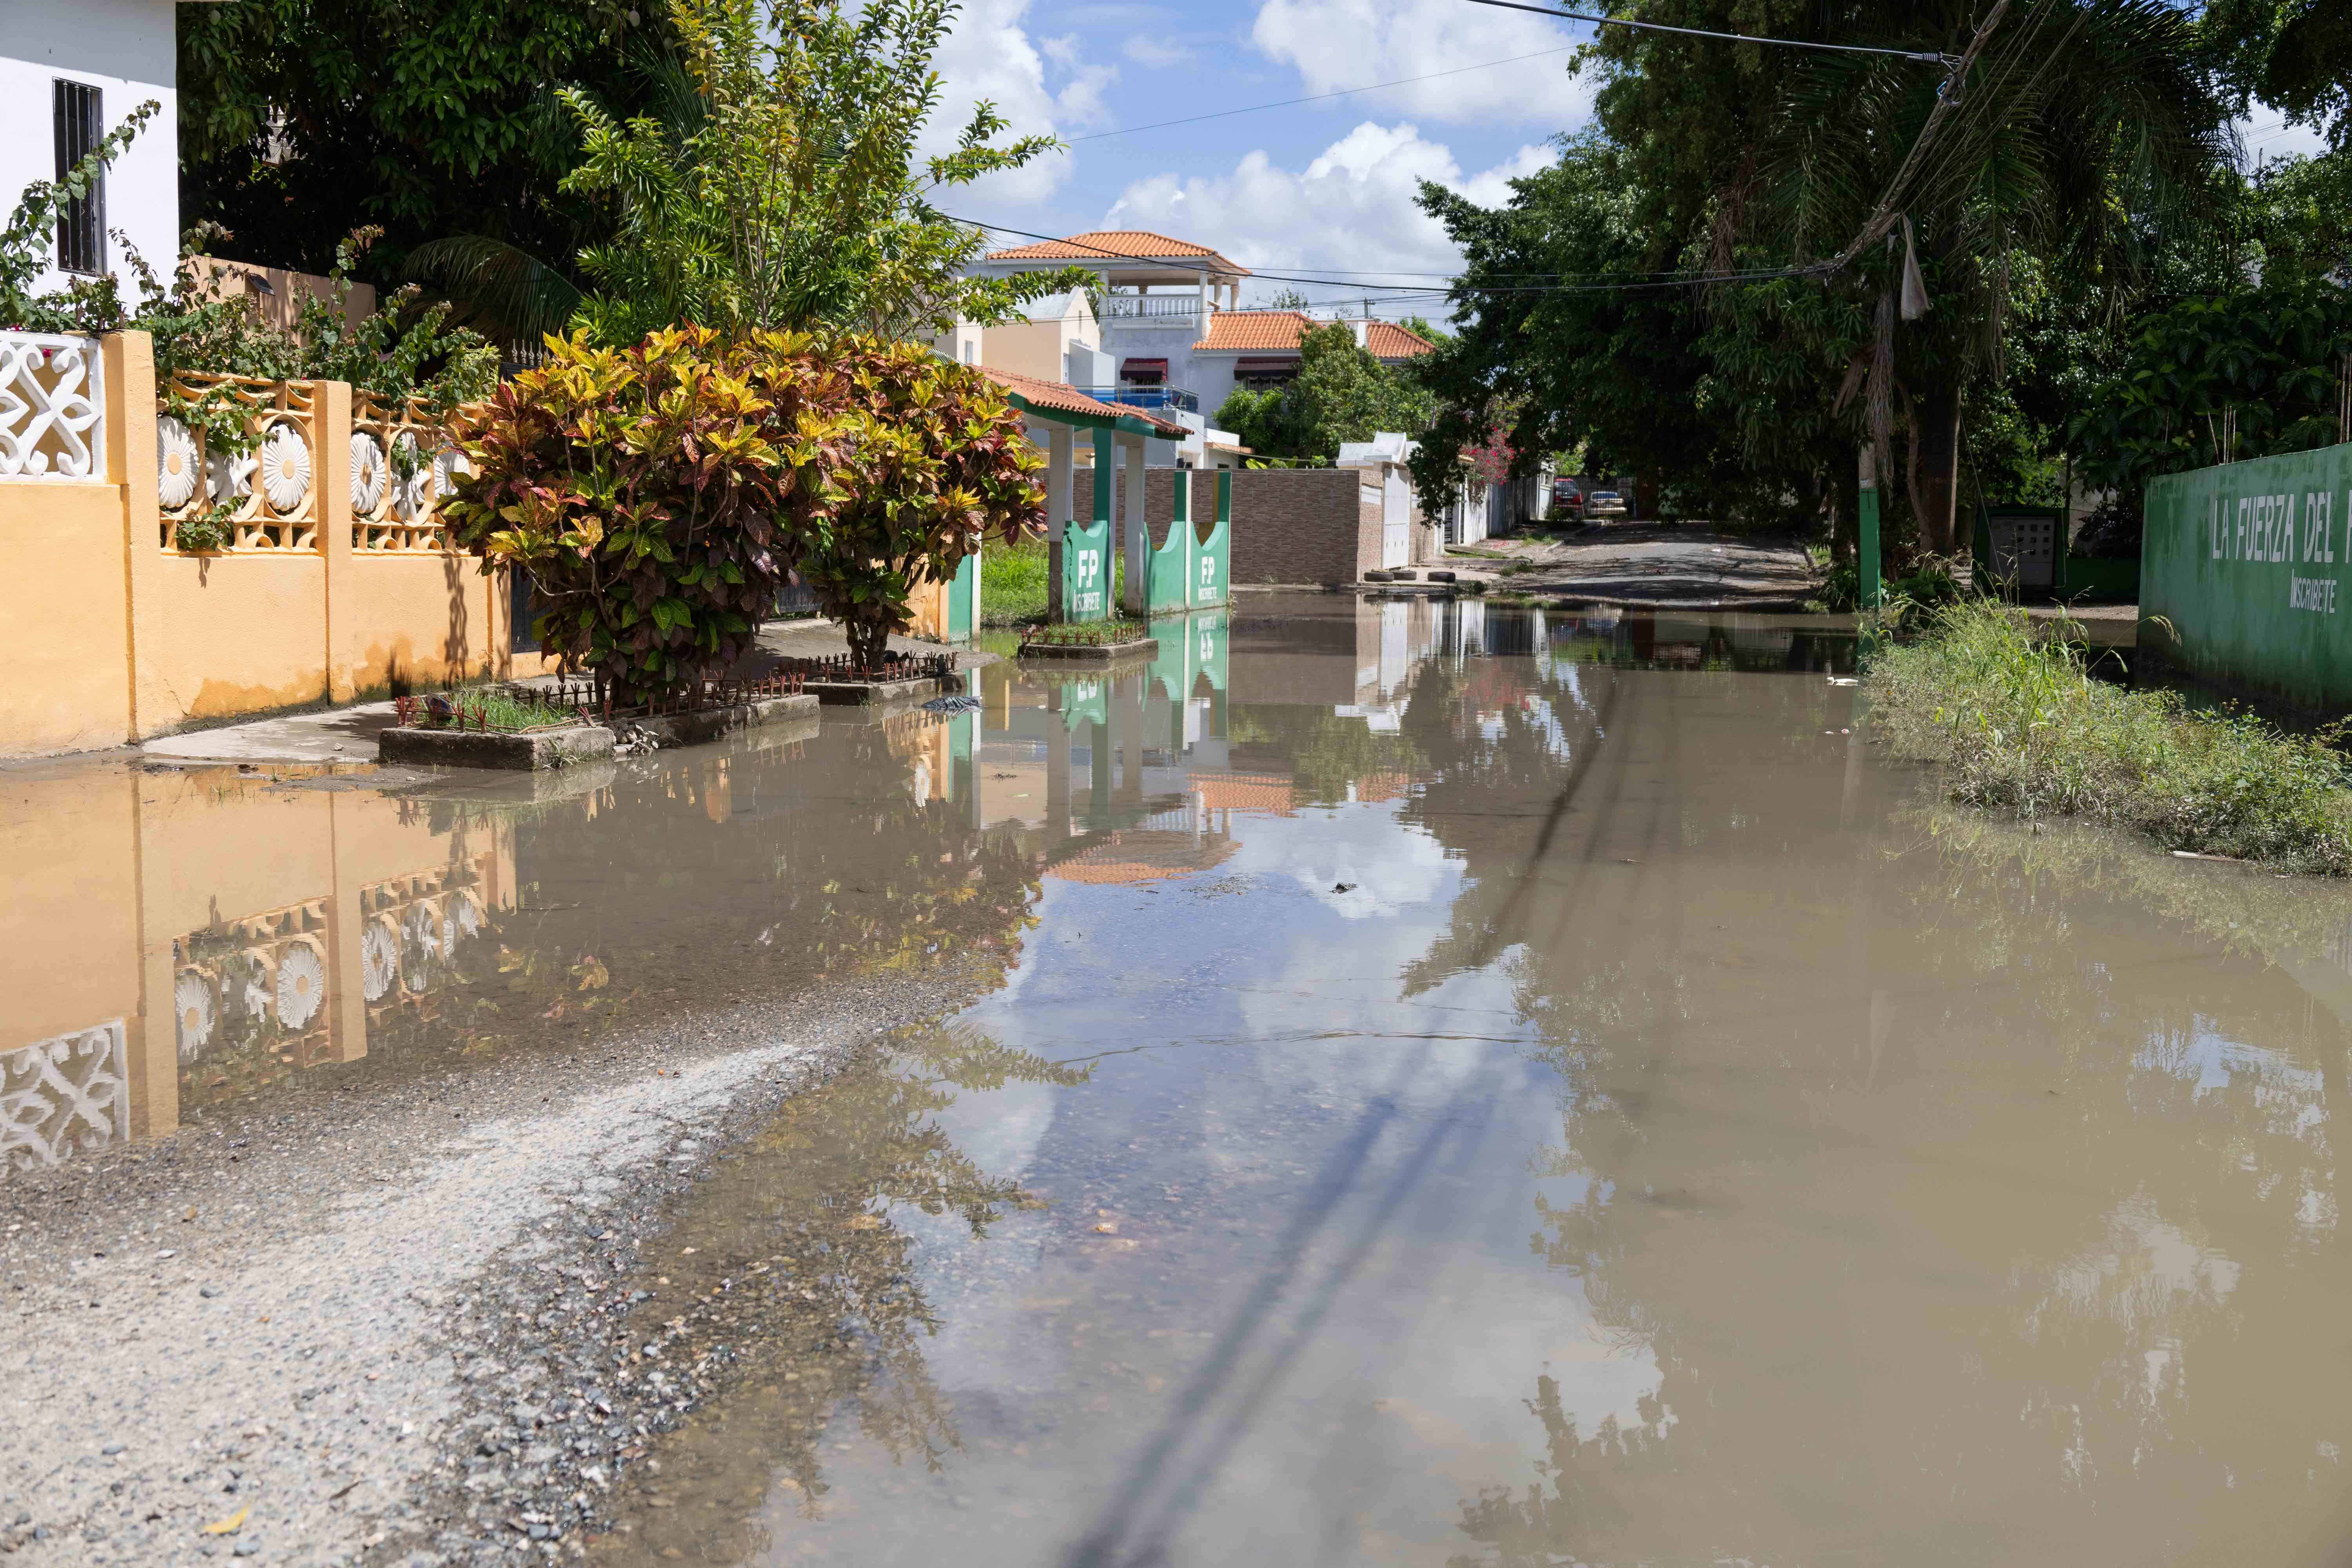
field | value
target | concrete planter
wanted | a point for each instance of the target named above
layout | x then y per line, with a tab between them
568	746
1109	653
878	693
713	723
529	751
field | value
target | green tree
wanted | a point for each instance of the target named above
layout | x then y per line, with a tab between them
787	192
2084	140
1341	393
301	120
2292	55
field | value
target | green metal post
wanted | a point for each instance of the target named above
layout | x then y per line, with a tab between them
1873	590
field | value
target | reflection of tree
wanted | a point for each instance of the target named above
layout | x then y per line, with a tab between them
805	1224
1941	1179
698	879
1326	752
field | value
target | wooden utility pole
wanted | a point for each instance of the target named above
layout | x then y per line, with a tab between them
1871	590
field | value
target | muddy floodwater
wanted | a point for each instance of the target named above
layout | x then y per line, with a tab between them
1444	1086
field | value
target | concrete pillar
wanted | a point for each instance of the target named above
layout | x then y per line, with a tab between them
346	1007
330	480
1138	595
1098	780
1059	448
1057	772
129	360
1127	713
1059	472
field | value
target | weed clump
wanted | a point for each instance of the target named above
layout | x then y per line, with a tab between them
2021	726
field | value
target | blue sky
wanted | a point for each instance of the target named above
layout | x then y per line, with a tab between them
1326	186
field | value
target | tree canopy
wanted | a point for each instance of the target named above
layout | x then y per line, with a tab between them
1343	393
1709	289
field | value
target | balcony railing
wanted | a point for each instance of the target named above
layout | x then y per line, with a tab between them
1170	308
1144	396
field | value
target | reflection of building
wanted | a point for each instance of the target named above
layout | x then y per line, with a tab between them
183	937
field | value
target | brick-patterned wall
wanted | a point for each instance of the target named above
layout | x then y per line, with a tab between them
1290	525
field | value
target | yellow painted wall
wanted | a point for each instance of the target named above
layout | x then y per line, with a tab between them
61	618
113	638
229	635
417	620
71	960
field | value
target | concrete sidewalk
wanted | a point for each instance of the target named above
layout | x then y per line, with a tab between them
332	735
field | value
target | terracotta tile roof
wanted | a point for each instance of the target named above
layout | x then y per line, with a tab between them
1375	788
1145	855
1244	792
1388	340
1064	399
1245	331
1118	243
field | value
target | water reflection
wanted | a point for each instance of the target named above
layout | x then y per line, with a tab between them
1698	1146
1461	1087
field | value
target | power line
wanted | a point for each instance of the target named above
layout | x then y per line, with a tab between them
1402	292
1924	57
1320	97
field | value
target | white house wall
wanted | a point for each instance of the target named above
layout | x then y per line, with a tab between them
125	48
1209	377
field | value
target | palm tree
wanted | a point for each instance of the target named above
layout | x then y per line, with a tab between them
2076	124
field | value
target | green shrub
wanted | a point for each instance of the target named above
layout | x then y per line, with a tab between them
2014	715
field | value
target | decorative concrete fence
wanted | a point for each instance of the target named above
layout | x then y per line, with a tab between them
282	549
2242	575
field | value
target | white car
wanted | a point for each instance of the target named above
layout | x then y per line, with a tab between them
1604	503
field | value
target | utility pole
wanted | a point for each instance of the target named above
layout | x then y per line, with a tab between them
1870	592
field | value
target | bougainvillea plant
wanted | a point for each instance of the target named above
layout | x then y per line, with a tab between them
936	463
655	496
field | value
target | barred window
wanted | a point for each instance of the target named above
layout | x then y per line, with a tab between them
80	122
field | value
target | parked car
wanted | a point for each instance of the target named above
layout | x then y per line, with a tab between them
1566	498
1604	503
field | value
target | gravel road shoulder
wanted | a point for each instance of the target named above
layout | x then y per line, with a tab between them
290	1340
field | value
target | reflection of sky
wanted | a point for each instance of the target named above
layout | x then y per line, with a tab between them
2291	1099
1321	1298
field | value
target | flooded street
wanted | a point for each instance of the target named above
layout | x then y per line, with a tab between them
1391	1083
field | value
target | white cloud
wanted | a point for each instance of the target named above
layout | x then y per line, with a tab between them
1352	208
1038	87
1337	44
1158	54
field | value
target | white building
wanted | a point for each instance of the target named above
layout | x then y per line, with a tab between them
1171	321
69	73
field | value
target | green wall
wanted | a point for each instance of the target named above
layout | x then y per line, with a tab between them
2247	563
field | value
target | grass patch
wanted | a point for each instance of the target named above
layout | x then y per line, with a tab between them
483	707
1013	580
1089	634
2022	726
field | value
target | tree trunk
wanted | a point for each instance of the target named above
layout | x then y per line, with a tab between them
1938	438
868	641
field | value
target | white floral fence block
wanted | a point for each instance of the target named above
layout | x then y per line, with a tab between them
66	1096
52	408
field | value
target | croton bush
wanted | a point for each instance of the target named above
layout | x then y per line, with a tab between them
655	496
936	463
